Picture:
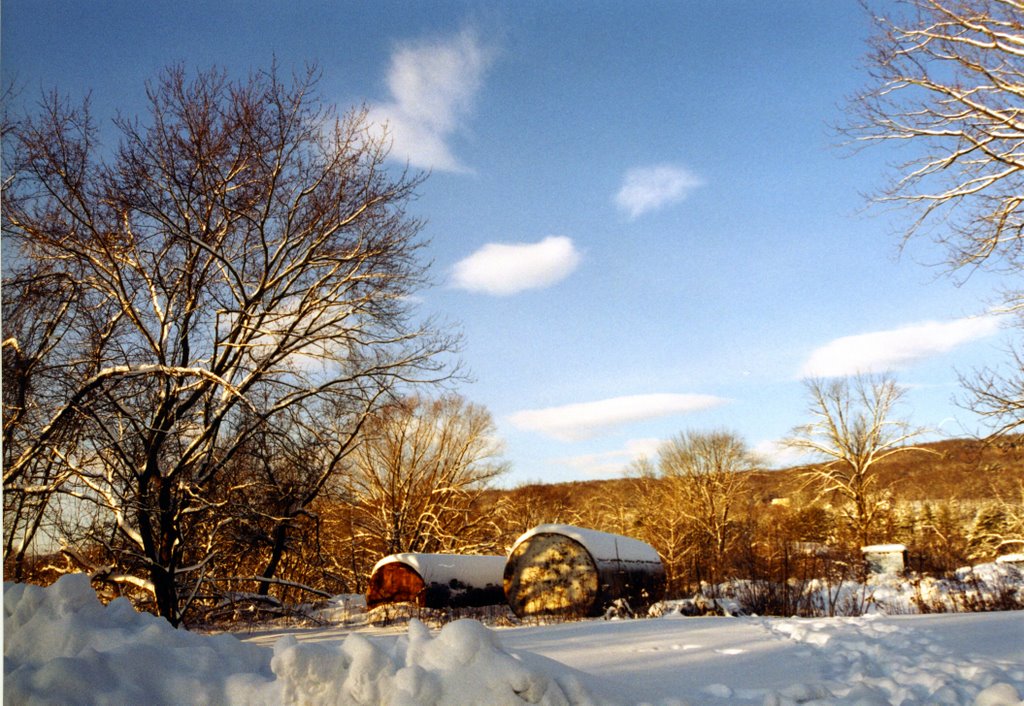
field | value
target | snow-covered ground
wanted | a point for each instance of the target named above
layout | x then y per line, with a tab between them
945	659
61	646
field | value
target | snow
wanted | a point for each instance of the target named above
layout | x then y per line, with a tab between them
441	568
604	548
343	609
61	645
883	548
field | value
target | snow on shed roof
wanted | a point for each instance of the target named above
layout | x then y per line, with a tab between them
472	570
883	548
603	546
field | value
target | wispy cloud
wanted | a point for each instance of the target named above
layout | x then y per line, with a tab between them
433	85
502	269
650	188
575	422
613	463
883	351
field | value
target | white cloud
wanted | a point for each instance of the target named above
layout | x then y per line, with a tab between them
575	422
614	463
776	454
433	86
508	268
883	351
650	188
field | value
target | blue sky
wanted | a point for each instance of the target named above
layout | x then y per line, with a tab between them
639	213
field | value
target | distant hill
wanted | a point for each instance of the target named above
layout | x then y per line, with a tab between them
962	469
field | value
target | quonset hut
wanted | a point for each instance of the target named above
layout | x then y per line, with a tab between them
437	580
573	572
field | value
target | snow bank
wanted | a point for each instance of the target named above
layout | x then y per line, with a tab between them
62	646
985	587
991	586
464	664
343	609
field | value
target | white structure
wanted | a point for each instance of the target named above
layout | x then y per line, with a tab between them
885	558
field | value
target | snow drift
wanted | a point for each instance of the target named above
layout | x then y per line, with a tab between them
62	646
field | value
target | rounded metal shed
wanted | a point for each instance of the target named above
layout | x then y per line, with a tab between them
437	580
575	572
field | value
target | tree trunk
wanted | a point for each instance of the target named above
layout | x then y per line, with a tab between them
166	591
280	539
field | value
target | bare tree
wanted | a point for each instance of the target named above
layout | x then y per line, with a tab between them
241	260
702	484
853	429
663	527
947	83
420	466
